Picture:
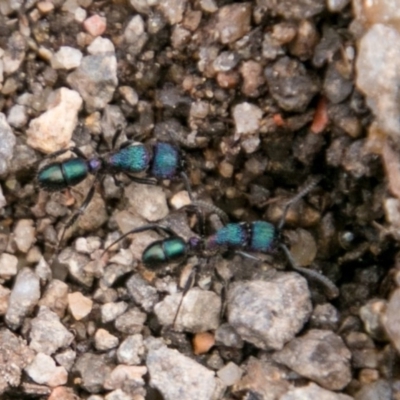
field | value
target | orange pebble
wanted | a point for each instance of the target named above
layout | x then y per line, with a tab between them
202	342
321	117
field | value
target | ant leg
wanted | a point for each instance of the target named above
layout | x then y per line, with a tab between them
213	209
73	149
154	227
203	204
296	198
188	285
145	181
116	136
247	255
331	289
77	214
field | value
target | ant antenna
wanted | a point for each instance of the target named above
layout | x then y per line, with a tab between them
307	189
331	289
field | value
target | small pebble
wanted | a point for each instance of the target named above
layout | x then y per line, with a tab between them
79	305
24	234
7	144
24	296
47	333
53	130
269	313
66	358
43	370
200	311
95	25
55	297
311	392
129	94
103	340
302	354
131	350
131	322
125	375
95	80
202	342
247	118
8	266
66	58
4	298
17	116
148	201
230	374
165	365
110	311
101	45
180	199
233	22
93	370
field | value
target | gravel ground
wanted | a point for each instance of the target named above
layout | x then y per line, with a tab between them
261	97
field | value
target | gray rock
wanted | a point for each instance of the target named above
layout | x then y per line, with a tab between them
372	315
233	22
95	80
66	58
3	201
24	234
263	377
290	84
93	371
17	116
43	370
76	264
24	297
131	350
14	356
4	298
230	374
110	311
7	144
79	305
325	316
116	395
101	45
15	54
125	377
179	377
227	336
173	10
55	297
135	35
66	359
391	319
47	333
269	314
378	66
379	390
247	119
8	266
200	311
312	392
320	356
148	201
142	293
53	130
301	9
131	322
103	340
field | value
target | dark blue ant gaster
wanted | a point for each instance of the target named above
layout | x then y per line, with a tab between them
241	237
159	161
